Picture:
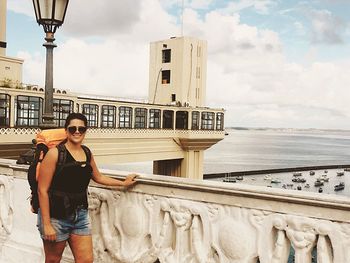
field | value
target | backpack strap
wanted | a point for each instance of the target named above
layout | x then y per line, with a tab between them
62	157
62	154
87	153
40	152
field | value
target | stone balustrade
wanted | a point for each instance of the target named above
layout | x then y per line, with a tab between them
176	220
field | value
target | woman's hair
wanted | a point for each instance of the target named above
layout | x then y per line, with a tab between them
74	116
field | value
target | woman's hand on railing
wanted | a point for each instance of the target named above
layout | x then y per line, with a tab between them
130	180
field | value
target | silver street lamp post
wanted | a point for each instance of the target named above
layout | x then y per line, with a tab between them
50	14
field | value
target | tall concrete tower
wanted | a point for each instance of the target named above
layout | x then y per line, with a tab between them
3	9
177	72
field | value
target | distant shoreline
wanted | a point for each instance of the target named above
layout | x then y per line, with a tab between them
276	170
284	129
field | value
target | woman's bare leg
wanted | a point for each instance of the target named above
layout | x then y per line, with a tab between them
81	247
53	251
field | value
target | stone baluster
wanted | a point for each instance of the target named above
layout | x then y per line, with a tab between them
302	235
6	208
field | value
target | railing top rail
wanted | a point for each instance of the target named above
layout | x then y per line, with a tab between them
316	205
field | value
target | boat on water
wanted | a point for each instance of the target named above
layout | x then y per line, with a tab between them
312	172
297	174
339	186
318	183
299	180
340	173
275	181
324	178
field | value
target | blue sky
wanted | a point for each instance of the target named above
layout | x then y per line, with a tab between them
276	63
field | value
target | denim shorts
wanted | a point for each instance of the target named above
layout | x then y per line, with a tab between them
78	223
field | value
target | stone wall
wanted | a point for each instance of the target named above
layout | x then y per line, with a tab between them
175	220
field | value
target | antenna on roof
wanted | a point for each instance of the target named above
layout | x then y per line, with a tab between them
182	19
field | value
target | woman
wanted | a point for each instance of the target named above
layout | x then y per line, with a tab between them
63	213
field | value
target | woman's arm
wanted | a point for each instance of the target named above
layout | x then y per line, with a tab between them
105	180
46	172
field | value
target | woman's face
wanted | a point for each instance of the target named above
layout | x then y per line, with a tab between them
76	131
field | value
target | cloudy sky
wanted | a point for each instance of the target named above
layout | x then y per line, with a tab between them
271	63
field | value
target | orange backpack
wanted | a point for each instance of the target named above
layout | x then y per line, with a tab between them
44	141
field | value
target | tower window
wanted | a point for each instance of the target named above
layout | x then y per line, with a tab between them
154	118
91	113
208	120
5	101
141	118
181	120
166	56
108	113
195	120
125	117
29	111
220	121
165	76
61	110
168	119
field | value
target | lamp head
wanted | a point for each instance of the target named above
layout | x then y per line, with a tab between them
50	13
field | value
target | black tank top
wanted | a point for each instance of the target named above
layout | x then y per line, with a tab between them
72	178
68	189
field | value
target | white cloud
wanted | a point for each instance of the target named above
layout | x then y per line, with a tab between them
166	4
102	17
247	66
248	73
326	28
196	4
260	6
110	68
200	4
21	6
33	68
138	21
290	96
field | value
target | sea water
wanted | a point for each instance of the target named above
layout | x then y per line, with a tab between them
260	149
243	150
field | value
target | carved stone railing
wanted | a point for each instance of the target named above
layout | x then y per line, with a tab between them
177	220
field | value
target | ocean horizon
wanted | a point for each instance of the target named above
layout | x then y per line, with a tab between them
246	149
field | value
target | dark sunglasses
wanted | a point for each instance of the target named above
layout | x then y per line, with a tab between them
73	129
